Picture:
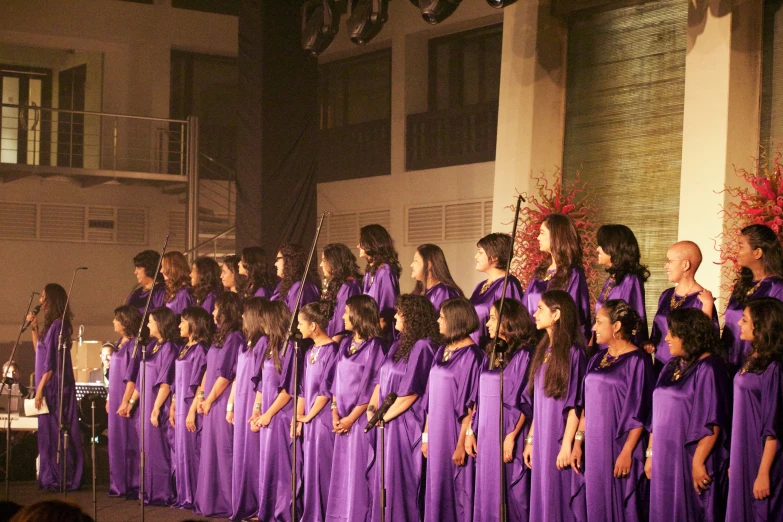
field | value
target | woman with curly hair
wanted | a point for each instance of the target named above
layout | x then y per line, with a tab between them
404	372
205	281
432	275
519	333
290	265
760	257
756	483
261	279
382	275
344	281
213	492
145	264
230	276
691	422
176	274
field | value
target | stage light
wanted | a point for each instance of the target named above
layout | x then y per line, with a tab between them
320	23
500	4
435	11
366	20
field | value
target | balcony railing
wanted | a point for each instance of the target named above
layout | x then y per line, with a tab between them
355	151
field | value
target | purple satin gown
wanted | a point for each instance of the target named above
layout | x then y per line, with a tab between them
123	433
138	298
758	414
384	287
350	494
439	293
213	490
159	487
577	287
736	349
516	402
402	438
309	295
181	300
556	496
483	302
262	291
451	390
618	399
189	369
660	327
244	477
630	290
47	359
684	412
349	288
317	435
208	303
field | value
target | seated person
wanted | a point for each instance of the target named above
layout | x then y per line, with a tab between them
101	375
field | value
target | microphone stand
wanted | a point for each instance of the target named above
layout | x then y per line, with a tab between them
143	372
8	424
498	349
62	439
296	337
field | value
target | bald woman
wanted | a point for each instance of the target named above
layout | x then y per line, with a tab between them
682	262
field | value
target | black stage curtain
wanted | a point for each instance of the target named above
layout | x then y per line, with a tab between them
277	141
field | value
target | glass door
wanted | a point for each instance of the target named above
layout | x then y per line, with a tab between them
25	132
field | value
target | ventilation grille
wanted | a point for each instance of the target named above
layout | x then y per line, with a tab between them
177	230
18	220
344	228
448	222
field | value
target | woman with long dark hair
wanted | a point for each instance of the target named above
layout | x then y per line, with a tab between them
123	431
519	333
452	391
213	491
687	456
382	275
561	268
491	258
196	328
756	481
760	258
404	372
343	282
556	377
432	275
230	276
48	374
176	274
205	281
618	405
261	279
144	265
358	362
290	265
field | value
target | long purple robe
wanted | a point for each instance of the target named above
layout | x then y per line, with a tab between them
349	288
402	438
189	369
138	297
123	433
384	287
318	437
181	300
556	495
47	359
630	290
208	303
452	390
618	399
262	291
159	487
736	349
516	402
350	495
244	477
309	295
213	490
684	412
660	327
483	302
577	287
441	292
758	414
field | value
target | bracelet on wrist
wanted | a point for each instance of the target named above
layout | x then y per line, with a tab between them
200	395
425	438
580	435
257	406
529	440
131	401
470	433
648	453
334	405
230	406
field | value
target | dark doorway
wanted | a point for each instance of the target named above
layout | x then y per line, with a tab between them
26	129
70	129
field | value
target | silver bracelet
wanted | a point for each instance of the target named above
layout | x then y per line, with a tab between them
529	440
230	406
580	435
257	406
470	433
425	438
648	453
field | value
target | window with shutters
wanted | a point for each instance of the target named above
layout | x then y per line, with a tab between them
448	222
344	227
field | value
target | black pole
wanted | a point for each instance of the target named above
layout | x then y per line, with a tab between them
94	494
381	428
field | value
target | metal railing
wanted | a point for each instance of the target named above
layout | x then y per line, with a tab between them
216	246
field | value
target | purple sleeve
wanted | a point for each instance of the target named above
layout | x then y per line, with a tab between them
772	403
524	401
347	290
577	287
227	357
386	287
158	296
209	302
468	386
417	370
374	362
168	354
49	345
637	408
574	397
655	333
325	386
636	300
287	374
514	290
132	369
259	351
711	402
197	370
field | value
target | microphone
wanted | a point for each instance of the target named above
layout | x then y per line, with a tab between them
387	402
35	311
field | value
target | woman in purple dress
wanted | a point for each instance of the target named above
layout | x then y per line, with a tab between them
491	258
176	273
382	275
290	264
404	372
756	475
205	281
561	268
144	266
760	257
196	328
161	353
48	374
313	417
344	281
452	391
519	333
618	404
360	357
618	253
260	276
213	489
432	275
230	277
556	378
123	431
691	422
